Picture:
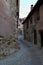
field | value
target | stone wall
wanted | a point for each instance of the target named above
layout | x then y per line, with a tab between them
13	7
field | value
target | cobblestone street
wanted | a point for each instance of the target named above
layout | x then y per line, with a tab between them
27	55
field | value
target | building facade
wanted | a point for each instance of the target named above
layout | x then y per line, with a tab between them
14	6
20	26
8	17
33	24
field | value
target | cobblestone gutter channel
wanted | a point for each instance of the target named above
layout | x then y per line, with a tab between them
8	46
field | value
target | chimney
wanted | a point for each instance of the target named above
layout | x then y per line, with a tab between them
31	7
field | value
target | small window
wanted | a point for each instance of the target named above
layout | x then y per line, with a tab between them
17	13
31	20
17	2
37	16
27	23
6	0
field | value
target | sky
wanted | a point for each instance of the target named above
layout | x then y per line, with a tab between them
25	7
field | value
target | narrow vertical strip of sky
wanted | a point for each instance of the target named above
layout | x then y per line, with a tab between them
25	7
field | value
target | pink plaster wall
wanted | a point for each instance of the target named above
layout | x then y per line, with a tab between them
6	25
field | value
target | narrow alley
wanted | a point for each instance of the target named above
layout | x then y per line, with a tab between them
21	39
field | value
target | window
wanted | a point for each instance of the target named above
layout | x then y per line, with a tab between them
6	0
17	2
37	16
27	24
17	13
31	20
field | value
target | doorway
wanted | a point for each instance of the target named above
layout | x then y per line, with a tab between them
41	34
35	37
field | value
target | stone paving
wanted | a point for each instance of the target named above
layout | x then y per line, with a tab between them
27	55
